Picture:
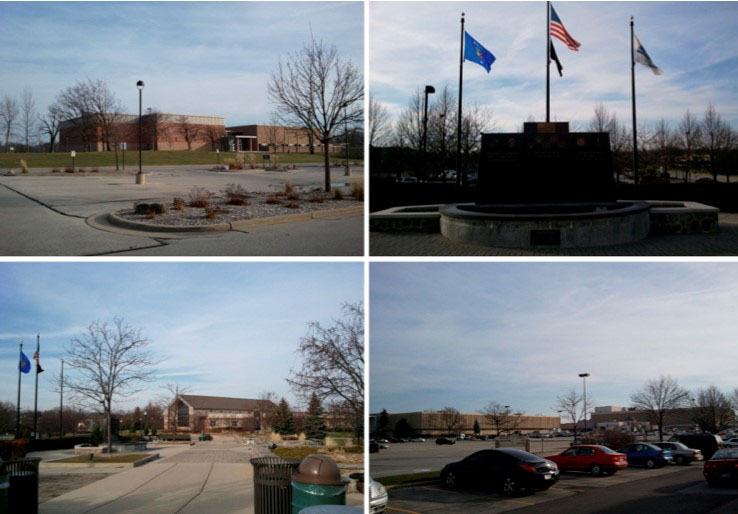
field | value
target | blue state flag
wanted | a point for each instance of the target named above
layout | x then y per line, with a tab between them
25	364
475	52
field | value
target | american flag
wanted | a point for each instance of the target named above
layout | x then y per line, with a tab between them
36	357
558	31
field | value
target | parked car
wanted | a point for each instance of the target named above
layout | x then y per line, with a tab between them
377	497
646	454
417	440
707	443
408	180
592	458
731	443
509	469
682	454
722	467
445	440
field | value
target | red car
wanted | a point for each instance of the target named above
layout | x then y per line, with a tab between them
592	458
722	467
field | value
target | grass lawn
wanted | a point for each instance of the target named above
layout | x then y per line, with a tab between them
410	478
302	452
116	459
149	158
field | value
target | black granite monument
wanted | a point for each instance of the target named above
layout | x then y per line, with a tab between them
546	165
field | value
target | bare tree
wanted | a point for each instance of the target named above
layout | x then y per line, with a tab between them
274	134
50	123
268	408
712	410
442	126
378	122
603	120
689	128
659	398
450	419
168	403
502	418
77	112
333	362
716	136
28	117
663	140
474	121
9	112
154	121
189	131
409	127
570	407
214	135
107	363
318	90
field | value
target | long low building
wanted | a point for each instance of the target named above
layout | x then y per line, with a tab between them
433	423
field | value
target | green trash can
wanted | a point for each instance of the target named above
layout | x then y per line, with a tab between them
317	482
4	491
202	437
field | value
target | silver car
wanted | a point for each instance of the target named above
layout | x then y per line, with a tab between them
377	497
681	453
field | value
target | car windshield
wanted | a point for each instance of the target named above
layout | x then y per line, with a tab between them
605	449
725	453
521	455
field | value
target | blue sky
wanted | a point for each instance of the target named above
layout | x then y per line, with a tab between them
465	334
696	44
225	329
203	58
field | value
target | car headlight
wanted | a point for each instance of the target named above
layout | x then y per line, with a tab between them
553	465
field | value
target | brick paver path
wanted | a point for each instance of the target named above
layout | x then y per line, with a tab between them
722	243
219	452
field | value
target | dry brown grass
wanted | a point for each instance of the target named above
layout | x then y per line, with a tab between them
273	200
178	204
337	194
357	189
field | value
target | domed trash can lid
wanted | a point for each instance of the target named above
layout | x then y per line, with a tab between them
320	470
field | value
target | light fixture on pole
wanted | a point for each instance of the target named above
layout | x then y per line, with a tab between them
428	90
345	137
584	382
140	86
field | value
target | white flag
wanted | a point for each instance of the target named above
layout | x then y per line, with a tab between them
642	57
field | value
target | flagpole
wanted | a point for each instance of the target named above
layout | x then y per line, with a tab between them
61	403
18	415
35	399
633	89
548	62
458	124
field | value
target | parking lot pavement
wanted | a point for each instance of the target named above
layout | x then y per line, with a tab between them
432	498
437	498
45	214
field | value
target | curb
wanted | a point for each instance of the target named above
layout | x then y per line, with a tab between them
119	221
57	464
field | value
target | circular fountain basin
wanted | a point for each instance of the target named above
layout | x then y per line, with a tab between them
540	225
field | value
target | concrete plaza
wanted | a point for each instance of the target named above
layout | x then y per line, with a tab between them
214	477
47	214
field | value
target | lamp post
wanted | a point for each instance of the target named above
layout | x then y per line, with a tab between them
428	90
345	137
140	86
584	382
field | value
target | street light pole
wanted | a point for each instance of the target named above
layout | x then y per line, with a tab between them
140	86
428	90
584	382
61	402
345	137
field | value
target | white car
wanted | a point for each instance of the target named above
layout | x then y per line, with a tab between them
731	443
417	440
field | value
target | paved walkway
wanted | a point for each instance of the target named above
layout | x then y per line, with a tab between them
723	243
210	477
44	214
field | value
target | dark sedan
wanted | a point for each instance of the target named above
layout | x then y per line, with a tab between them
722	468
445	440
508	469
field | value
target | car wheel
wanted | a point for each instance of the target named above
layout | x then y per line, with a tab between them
596	470
450	480
650	464
679	459
509	486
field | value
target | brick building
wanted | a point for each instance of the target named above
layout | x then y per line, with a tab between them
274	138
432	423
159	132
196	413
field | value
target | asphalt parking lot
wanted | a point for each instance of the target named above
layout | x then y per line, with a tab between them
47	214
429	497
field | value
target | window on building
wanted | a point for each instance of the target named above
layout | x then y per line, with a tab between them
234	424
183	415
213	423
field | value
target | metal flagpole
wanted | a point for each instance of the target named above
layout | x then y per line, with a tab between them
35	399
18	415
61	403
548	62
633	88
458	125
